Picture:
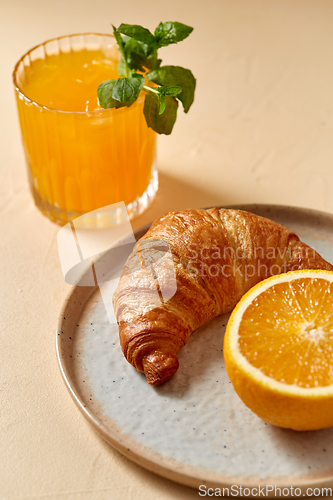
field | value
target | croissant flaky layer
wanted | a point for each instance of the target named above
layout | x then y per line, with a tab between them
190	267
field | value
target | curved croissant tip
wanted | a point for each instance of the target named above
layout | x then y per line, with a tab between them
159	367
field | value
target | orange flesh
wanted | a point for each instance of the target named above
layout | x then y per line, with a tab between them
287	332
79	162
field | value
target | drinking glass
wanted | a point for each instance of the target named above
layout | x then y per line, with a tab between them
81	161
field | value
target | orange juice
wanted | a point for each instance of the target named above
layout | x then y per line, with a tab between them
80	156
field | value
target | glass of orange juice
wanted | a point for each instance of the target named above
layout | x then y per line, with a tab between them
81	157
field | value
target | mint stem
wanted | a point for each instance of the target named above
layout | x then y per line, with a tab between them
155	59
121	48
150	89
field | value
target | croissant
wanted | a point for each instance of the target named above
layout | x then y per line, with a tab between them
214	257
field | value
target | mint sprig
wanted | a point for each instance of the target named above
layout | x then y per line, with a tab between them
138	49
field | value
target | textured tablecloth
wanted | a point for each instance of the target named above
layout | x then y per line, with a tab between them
260	130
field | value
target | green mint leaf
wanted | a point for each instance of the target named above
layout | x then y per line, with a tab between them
161	123
136	62
123	91
153	62
139	56
170	90
122	69
140	79
105	98
167	33
136	46
137	32
161	99
122	65
176	76
136	55
119	40
118	37
128	89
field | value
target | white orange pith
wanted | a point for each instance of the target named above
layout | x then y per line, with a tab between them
278	349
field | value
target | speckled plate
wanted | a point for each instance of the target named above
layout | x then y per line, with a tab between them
194	429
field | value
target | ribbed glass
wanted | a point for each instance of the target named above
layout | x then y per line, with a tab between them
80	161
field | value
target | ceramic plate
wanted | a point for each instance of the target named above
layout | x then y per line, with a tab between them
194	429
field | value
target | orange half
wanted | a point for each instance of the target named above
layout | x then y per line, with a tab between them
278	349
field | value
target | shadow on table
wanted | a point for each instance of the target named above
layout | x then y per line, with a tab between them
176	194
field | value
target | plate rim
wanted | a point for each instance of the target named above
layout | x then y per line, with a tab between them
139	453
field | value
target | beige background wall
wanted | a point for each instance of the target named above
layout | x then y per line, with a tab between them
260	130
